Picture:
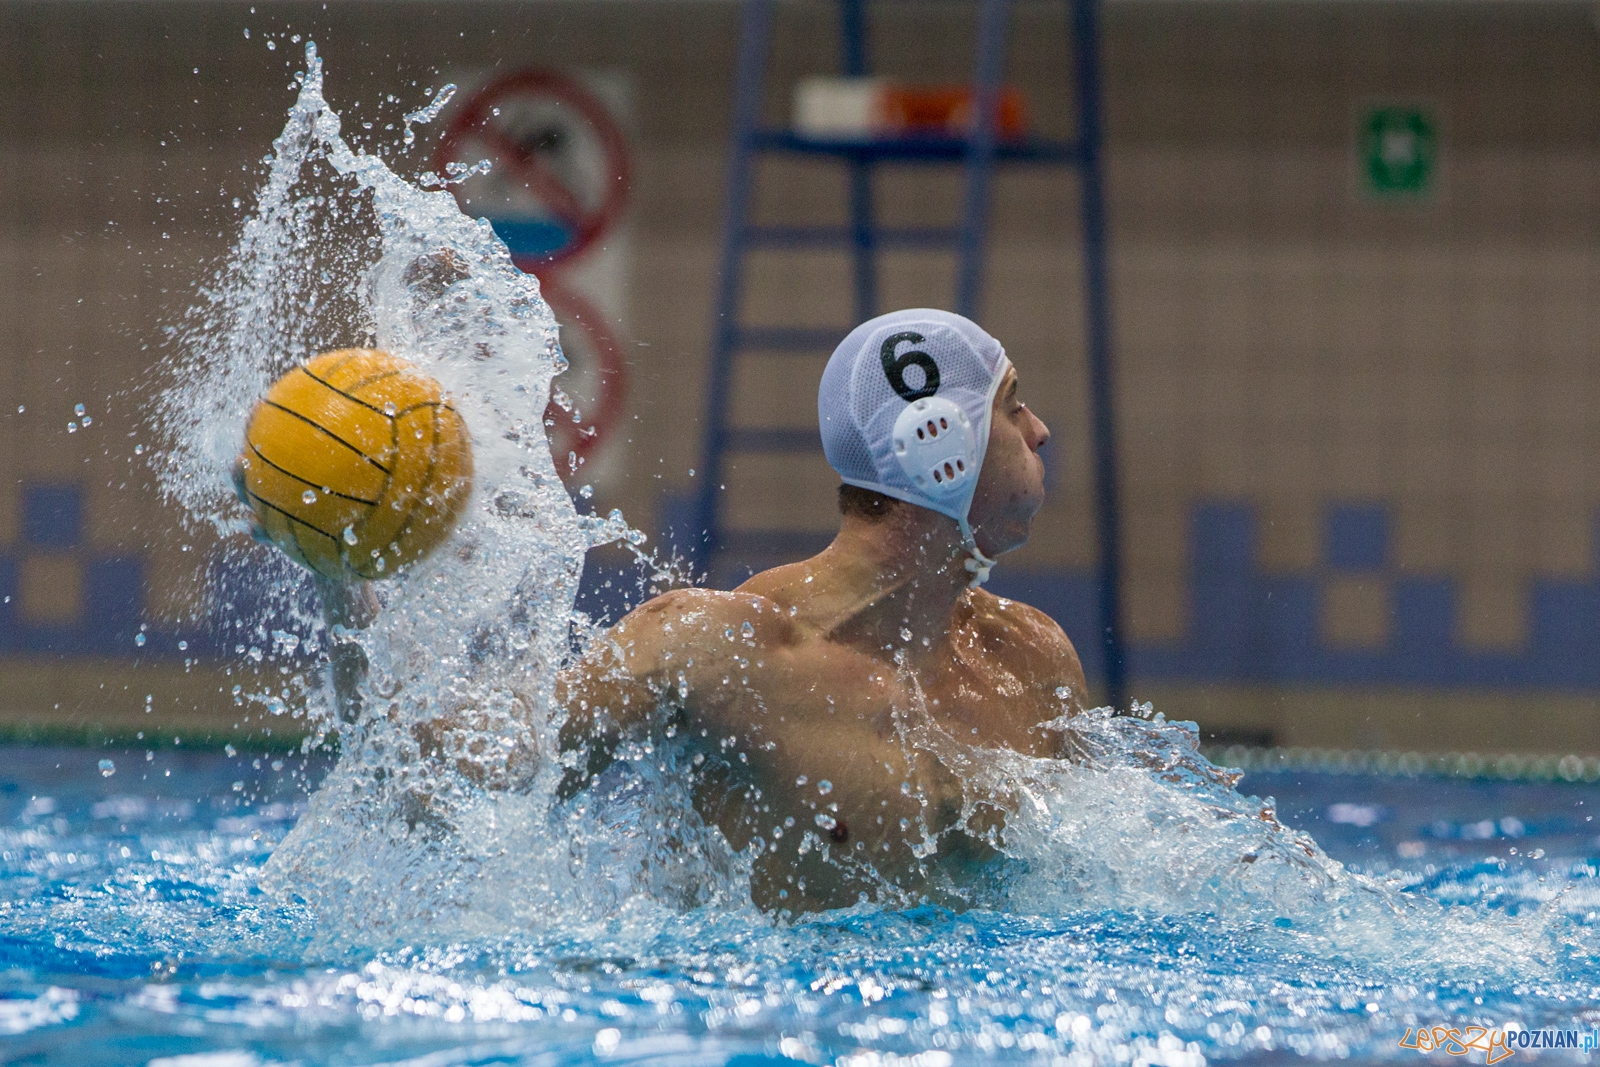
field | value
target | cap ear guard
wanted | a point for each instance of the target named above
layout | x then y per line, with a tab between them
935	445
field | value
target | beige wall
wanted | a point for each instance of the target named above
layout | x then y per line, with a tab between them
1281	338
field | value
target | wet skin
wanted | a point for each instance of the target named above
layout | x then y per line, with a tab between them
819	671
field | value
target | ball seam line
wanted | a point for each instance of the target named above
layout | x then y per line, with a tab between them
427	477
419	405
323	429
304	481
364	382
291	516
359	385
394	443
295	531
345	356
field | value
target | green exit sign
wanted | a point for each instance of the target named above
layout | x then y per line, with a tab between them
1399	152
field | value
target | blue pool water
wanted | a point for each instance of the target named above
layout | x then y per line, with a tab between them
132	929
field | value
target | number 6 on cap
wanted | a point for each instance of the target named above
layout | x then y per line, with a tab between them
895	368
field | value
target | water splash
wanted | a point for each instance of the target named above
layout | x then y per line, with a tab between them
427	113
1136	819
437	816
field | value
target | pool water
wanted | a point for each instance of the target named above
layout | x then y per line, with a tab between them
132	929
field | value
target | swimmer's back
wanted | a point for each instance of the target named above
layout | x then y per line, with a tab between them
798	721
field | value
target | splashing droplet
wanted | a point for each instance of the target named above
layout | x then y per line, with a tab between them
309	496
349	535
107	768
824	787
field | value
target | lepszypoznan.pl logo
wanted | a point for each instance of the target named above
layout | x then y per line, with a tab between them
1496	1044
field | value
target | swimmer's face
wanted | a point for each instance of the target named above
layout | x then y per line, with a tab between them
1011	486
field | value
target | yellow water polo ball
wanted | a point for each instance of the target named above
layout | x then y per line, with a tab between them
356	463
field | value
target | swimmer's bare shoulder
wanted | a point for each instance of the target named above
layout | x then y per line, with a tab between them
674	645
1030	665
1032	644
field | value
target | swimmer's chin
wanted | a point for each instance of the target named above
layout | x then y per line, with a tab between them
995	542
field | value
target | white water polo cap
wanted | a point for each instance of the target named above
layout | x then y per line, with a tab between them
905	405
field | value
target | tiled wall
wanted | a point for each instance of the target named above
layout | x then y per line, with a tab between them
59	593
1353	618
1358	435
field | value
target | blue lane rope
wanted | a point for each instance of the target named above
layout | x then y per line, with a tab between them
1478	766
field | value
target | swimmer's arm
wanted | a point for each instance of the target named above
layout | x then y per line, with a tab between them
346	606
607	696
615	690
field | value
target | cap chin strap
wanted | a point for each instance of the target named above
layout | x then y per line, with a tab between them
977	563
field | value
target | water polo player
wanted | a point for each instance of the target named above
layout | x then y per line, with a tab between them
830	703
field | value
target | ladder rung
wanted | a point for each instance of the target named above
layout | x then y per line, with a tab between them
774	440
911	149
787	338
836	236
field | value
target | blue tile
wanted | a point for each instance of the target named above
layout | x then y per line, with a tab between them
1423	637
9	636
1565	633
1223	538
1225	598
1287	638
607	591
1356	537
52	515
114	603
1248	627
1245	626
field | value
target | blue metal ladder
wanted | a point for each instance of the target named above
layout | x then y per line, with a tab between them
977	153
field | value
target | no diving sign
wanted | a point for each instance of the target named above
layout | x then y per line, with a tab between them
556	193
559	179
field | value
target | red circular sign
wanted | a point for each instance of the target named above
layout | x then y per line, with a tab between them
580	216
594	382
